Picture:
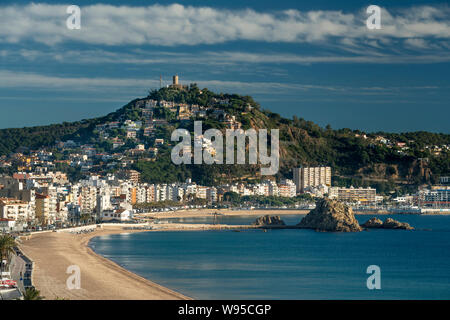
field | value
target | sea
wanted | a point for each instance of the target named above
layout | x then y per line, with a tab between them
291	264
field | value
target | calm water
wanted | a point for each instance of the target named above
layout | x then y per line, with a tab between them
291	264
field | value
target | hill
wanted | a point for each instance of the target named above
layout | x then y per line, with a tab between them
386	161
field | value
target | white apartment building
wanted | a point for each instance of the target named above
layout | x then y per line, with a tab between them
273	188
201	192
358	195
161	192
311	177
260	189
141	194
116	215
104	200
436	197
88	199
211	195
287	188
15	210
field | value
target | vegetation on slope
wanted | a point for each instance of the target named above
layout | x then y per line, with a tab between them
356	158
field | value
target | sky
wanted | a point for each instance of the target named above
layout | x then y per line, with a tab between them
313	59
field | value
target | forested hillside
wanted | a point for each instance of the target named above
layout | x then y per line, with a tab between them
379	159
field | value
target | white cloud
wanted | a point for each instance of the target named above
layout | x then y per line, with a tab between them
11	79
24	81
371	55
186	25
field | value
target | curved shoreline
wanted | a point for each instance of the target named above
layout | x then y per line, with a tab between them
101	278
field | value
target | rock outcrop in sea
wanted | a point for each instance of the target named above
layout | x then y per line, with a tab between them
373	223
394	224
330	215
389	223
269	221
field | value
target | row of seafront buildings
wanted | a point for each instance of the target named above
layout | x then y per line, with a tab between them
28	199
48	199
317	181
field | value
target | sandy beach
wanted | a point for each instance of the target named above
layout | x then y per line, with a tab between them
101	279
226	212
273	212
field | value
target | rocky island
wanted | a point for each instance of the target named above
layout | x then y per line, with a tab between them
330	215
389	223
269	221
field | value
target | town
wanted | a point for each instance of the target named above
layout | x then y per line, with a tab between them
83	182
37	201
128	168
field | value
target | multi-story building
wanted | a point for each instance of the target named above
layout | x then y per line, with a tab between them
175	193
150	193
43	214
13	188
359	195
103	200
14	209
436	197
311	177
7	224
52	194
201	192
287	188
211	194
161	192
116	215
273	188
261	189
141	194
88	199
130	175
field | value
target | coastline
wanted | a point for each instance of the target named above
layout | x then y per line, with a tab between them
225	212
190	213
101	278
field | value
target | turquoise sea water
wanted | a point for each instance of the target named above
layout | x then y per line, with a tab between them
290	264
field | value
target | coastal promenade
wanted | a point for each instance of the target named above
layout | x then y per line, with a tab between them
101	279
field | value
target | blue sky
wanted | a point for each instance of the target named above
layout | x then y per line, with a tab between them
314	59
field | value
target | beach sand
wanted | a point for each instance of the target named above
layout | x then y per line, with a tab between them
226	212
101	279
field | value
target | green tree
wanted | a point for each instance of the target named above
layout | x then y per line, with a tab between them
32	294
7	244
232	197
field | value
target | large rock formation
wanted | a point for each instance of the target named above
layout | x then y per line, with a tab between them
330	215
269	221
389	223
